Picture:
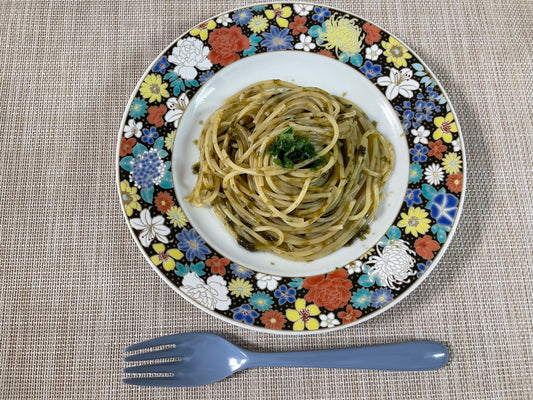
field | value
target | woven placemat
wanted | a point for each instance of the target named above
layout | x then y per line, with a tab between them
76	290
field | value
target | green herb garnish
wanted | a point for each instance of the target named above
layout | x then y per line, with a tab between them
289	149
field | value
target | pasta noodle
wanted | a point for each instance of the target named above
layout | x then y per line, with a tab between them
301	208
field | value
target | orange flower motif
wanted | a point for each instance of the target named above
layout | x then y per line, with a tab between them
298	26
373	33
326	53
331	291
155	115
455	182
126	146
163	202
425	246
273	319
349	315
217	265
226	43
437	148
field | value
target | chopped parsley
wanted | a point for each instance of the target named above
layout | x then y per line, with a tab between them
289	149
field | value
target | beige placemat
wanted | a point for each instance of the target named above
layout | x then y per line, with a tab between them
75	290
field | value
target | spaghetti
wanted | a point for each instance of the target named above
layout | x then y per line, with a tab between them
292	170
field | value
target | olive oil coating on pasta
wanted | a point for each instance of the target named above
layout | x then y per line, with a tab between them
315	207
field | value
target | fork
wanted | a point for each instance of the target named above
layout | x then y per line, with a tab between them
204	358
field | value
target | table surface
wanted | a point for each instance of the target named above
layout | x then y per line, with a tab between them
76	290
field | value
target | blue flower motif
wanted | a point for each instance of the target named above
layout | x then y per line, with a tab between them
161	66
147	168
254	42
205	77
361	299
243	17
285	295
261	301
370	70
393	234
381	297
441	232
419	153
241	272
149	135
415	173
138	108
296	283
422	268
413	197
245	314
410	118
192	244
182	269
321	13
354	59
434	97
277	40
444	208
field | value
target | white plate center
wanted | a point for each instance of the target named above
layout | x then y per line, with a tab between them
305	69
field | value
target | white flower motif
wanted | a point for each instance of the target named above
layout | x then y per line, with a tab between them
212	294
392	266
176	108
303	9
306	43
421	134
434	174
373	53
133	129
151	228
328	320
456	145
399	82
224	20
354	267
267	281
188	55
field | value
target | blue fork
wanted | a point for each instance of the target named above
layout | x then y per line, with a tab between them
195	359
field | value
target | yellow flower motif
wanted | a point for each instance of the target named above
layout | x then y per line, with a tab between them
415	221
240	288
129	198
445	127
341	34
396	52
203	29
177	217
169	140
153	88
452	163
301	316
280	13
258	24
166	257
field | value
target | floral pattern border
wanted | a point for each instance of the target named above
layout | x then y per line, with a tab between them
231	291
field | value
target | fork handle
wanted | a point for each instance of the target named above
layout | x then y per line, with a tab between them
409	356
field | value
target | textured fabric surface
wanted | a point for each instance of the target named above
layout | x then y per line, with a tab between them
75	289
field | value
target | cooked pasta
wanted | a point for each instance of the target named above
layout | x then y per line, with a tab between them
292	170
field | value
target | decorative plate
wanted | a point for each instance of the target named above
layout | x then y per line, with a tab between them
310	45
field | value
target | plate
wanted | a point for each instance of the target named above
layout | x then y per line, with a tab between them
310	45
